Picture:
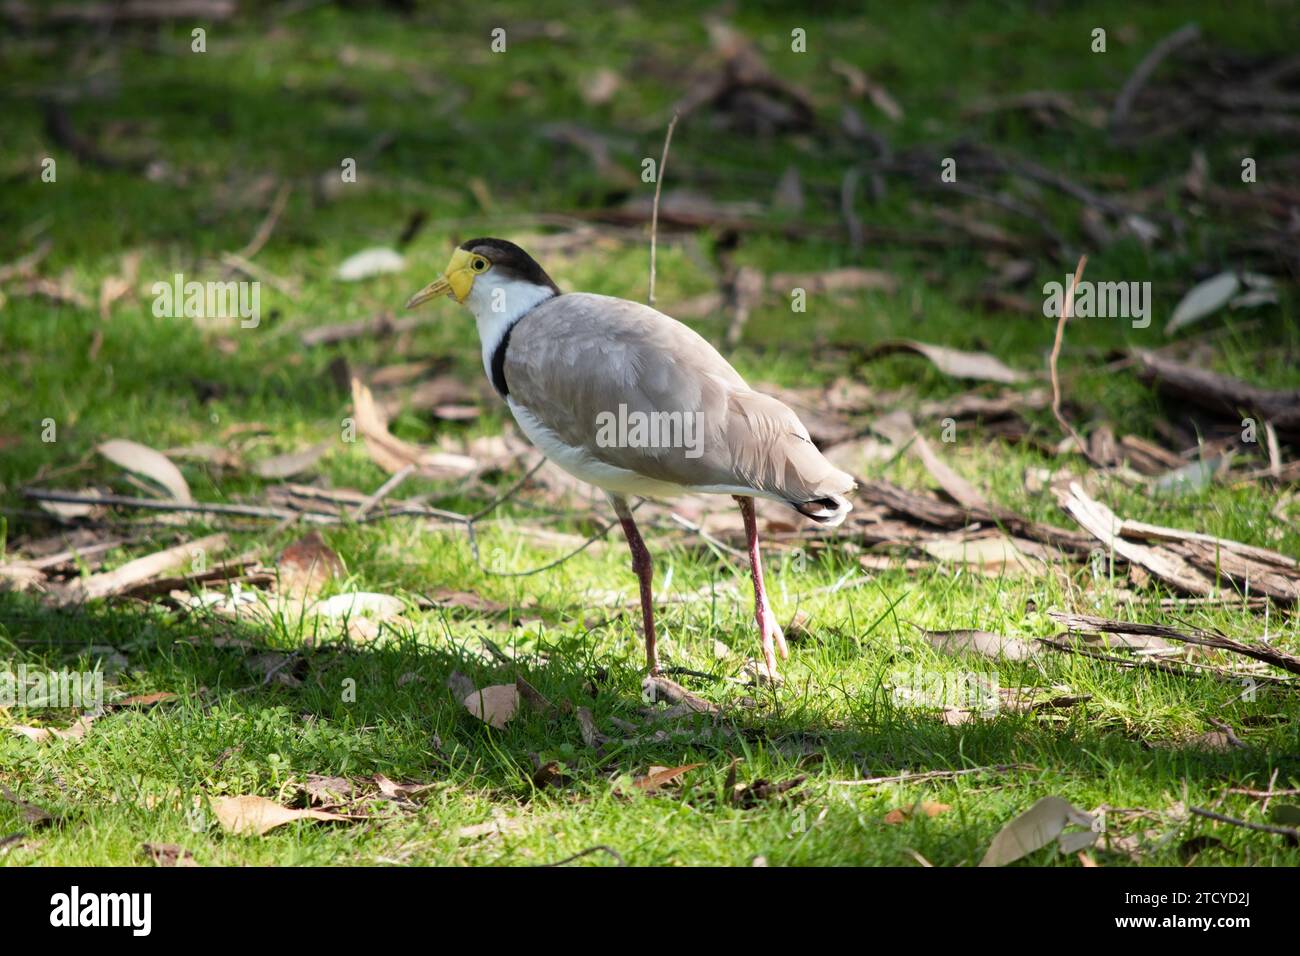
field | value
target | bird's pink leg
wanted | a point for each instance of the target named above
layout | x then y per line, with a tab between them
644	569
769	631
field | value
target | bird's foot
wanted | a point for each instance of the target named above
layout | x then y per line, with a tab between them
772	639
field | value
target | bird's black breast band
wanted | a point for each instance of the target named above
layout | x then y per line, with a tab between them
499	362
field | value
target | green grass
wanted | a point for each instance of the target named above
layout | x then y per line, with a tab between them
290	98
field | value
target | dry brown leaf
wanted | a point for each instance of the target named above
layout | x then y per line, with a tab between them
143	460
355	604
979	366
328	790
980	642
929	808
957	487
599	88
393	454
398	791
41	735
169	854
255	816
494	705
1034	829
994	555
307	565
495	827
657	777
291	463
146	700
748	796
31	814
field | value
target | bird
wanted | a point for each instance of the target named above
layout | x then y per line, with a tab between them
638	404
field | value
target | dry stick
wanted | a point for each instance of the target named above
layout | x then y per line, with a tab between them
1133	86
1066	307
587	852
931	775
654	212
1291	832
1265	794
395	479
267	225
1184	669
152	504
252	511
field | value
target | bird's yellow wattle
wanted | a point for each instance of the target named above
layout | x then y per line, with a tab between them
456	280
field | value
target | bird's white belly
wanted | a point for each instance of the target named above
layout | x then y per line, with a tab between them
578	462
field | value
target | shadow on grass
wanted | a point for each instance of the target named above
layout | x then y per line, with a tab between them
338	708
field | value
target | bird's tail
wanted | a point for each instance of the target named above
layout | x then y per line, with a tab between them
829	510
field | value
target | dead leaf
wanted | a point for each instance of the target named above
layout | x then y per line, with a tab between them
957	487
31	814
393	454
599	88
929	808
370	262
493	705
459	685
76	732
1034	829
980	642
979	366
591	736
169	854
328	790
142	460
994	555
255	816
498	825
536	699
657	777
146	700
291	463
307	565
371	604
552	773
1203	299
747	797
393	790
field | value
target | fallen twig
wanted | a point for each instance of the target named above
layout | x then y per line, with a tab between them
267	225
1066	307
1290	832
395	479
1133	86
1259	652
587	852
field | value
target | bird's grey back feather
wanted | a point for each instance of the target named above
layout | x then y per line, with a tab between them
576	356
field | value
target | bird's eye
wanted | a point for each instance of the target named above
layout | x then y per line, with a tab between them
479	264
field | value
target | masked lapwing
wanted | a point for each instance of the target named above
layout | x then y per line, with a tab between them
632	401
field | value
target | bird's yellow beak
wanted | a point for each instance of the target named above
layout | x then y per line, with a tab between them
456	281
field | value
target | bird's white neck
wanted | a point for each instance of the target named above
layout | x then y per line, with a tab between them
497	304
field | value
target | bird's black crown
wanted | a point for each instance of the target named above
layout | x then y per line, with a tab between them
508	258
